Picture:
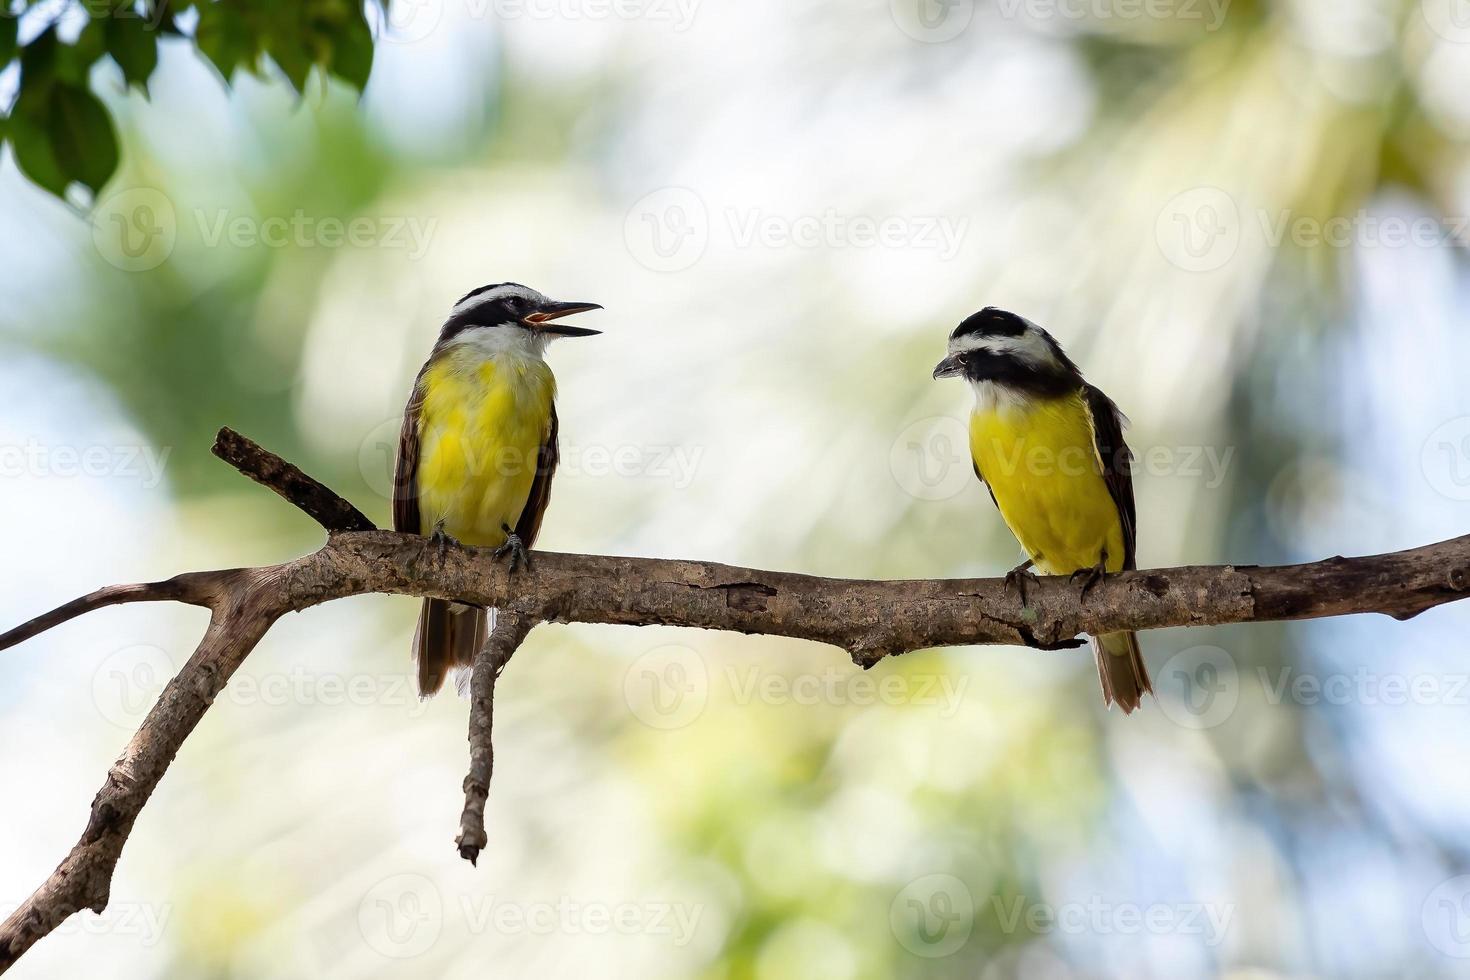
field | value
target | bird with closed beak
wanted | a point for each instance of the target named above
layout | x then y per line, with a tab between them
1049	447
478	450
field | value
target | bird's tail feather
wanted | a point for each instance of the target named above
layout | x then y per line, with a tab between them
449	635
1121	669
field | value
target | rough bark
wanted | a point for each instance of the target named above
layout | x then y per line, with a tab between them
868	619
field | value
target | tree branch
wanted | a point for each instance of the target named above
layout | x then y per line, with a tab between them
510	630
869	619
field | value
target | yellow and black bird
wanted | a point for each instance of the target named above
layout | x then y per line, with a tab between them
1049	446
478	450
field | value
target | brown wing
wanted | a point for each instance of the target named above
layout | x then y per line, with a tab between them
546	460
1117	464
405	473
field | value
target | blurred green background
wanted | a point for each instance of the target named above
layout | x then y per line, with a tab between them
1244	220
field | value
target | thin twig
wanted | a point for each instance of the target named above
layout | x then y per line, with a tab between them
510	631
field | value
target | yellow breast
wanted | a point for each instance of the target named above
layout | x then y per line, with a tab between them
483	422
1037	456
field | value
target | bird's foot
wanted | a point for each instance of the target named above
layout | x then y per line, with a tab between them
1091	576
440	541
1019	578
515	548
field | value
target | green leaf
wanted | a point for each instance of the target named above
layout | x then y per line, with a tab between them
352	52
134	47
38	58
82	136
286	50
33	154
75	61
7	37
225	38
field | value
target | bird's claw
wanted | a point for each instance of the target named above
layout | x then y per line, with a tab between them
1019	577
515	548
1090	576
440	541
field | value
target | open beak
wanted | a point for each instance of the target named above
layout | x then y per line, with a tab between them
542	319
949	367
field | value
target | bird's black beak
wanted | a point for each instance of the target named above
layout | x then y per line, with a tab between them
542	319
952	366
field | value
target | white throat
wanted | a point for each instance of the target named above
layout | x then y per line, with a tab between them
992	396
508	342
